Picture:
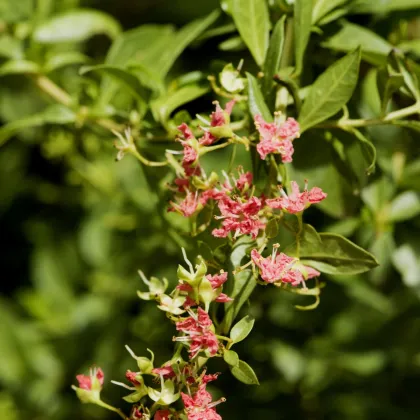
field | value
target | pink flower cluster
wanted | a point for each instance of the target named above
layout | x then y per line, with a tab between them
191	199
276	137
198	333
199	406
282	268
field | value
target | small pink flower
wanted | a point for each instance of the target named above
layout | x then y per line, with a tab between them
95	378
221	117
276	137
217	280
297	201
162	415
207	139
200	406
166	371
245	180
186	131
131	376
282	268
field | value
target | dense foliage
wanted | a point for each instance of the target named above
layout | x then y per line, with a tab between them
81	210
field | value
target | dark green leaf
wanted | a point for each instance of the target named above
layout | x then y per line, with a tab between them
253	23
274	53
335	254
244	373
55	114
231	357
184	37
374	48
371	6
256	100
124	77
331	91
302	30
75	26
368	149
241	329
165	105
272	228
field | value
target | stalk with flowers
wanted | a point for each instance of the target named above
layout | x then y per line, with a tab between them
210	292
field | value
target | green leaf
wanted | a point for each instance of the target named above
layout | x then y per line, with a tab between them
234	43
244	373
272	228
253	23
368	149
64	59
231	357
322	8
407	263
331	253
10	47
75	26
55	114
338	255
165	105
302	30
274	53
241	329
405	206
388	84
124	77
256	100
331	91
374	48
371	6
19	67
185	36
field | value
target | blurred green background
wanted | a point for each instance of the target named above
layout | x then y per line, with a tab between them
76	226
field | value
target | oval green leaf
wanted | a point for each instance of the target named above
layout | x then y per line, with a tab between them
253	23
241	329
244	373
331	91
256	100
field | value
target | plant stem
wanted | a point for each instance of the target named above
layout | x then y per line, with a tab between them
62	97
114	409
388	119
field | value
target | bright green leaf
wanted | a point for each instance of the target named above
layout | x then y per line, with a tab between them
75	26
231	357
405	206
331	91
407	263
322	8
256	100
19	67
302	30
244	373
253	23
57	61
386	6
165	105
374	48
274	53
241	329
